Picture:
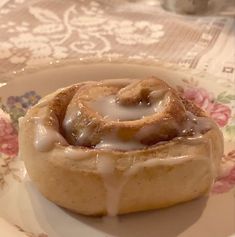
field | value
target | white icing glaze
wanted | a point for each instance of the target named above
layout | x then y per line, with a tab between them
113	142
112	184
150	129
158	94
120	82
109	108
46	137
156	161
195	124
69	120
83	136
72	152
68	126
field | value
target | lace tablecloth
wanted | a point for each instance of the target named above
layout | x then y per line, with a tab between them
34	32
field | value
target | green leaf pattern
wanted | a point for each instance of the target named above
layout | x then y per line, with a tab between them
225	98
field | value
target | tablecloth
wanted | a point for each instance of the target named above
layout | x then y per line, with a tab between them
40	31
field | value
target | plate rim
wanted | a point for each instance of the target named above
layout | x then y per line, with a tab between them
30	69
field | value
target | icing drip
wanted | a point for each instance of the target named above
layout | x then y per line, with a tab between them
114	184
46	137
156	161
82	138
109	108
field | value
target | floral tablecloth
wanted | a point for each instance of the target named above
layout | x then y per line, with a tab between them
40	31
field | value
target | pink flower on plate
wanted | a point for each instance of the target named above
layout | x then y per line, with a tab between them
199	96
8	138
226	183
226	179
219	112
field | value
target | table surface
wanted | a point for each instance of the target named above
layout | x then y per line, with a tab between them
41	31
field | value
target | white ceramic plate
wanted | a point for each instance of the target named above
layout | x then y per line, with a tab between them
23	211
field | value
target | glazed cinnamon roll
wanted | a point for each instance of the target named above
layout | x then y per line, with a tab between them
119	146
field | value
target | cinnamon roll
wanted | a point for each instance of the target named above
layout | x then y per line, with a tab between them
119	146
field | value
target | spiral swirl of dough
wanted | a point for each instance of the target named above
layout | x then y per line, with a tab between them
145	111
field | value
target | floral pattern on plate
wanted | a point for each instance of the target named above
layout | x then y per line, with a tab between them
14	108
218	107
221	109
